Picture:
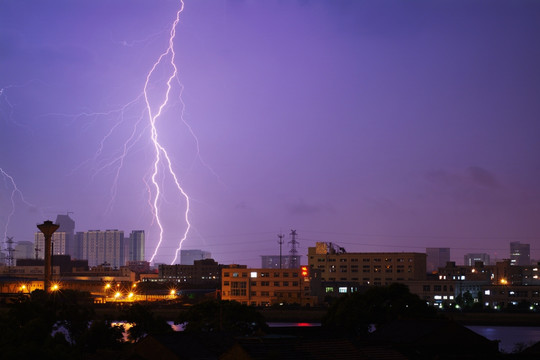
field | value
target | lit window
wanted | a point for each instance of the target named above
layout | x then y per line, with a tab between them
253	274
329	289
437	297
342	289
487	292
462	277
451	297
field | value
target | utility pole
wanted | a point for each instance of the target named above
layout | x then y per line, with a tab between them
293	252
280	242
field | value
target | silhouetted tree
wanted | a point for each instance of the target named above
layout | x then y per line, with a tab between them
144	322
356	313
220	315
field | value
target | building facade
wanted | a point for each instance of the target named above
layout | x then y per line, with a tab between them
471	259
24	250
265	287
202	273
59	243
103	247
520	254
188	257
134	246
436	258
366	268
280	262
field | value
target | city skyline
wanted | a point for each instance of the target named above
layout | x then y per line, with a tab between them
379	127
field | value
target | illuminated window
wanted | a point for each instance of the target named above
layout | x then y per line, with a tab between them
487	292
342	289
329	289
253	274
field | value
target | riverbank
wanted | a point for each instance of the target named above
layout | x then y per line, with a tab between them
315	316
496	319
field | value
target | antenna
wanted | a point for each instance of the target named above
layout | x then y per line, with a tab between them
280	242
36	250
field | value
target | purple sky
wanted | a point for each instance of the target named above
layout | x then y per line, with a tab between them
377	125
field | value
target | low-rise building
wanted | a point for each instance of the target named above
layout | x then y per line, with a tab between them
381	268
264	287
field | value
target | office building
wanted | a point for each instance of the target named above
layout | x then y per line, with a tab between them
202	273
134	246
520	254
265	287
471	259
188	257
366	268
67	226
24	250
436	258
287	261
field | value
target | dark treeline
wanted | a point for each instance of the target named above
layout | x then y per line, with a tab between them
64	324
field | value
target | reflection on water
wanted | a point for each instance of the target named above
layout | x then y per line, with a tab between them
509	336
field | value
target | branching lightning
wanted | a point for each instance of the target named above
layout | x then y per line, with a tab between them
161	155
145	110
10	183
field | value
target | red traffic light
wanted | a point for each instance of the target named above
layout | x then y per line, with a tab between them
305	271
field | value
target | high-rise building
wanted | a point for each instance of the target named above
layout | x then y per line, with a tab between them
436	258
520	254
187	257
59	243
134	246
471	259
24	250
67	226
103	247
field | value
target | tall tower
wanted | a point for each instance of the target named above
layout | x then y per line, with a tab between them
135	246
10	250
293	253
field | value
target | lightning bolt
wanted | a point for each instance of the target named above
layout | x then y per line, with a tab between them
161	155
10	182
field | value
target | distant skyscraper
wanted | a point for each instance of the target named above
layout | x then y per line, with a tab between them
103	247
436	258
520	254
67	225
187	257
134	247
470	259
24	250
